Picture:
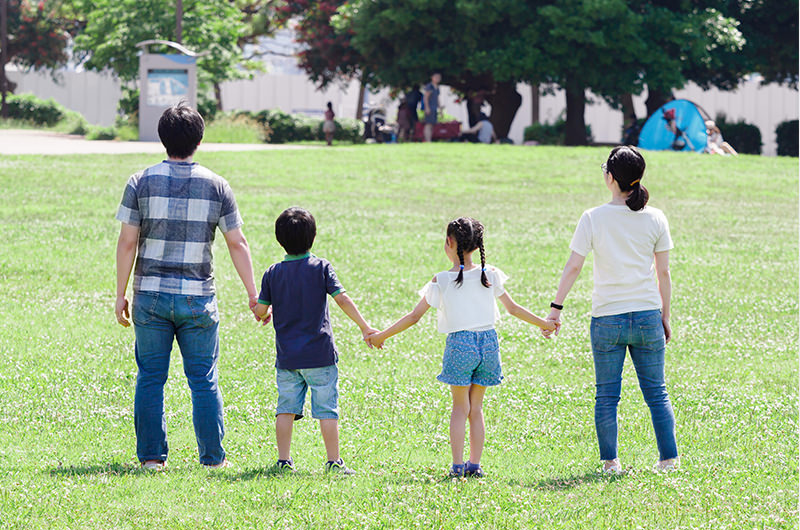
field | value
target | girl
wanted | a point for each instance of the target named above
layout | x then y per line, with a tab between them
464	296
630	304
329	126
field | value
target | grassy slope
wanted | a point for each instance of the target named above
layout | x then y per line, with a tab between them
67	372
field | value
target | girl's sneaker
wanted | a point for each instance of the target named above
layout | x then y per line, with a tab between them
612	467
473	470
154	465
338	467
457	471
285	466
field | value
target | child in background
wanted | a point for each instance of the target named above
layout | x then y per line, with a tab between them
464	296
329	127
294	293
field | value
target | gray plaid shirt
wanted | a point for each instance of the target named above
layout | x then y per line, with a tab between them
177	207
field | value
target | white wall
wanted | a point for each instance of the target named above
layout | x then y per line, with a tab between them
95	96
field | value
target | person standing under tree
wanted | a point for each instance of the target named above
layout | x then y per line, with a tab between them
431	100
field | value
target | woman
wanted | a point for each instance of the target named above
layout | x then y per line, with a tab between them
630	304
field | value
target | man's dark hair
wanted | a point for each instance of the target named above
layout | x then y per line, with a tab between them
295	230
181	129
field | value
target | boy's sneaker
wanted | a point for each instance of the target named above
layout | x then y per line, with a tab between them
612	467
457	471
285	466
338	467
154	465
221	465
473	470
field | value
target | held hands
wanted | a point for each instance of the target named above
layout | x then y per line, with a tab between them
367	334
122	312
555	318
375	339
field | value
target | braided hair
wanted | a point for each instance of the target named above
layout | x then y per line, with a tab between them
468	235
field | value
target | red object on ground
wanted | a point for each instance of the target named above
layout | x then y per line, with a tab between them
441	131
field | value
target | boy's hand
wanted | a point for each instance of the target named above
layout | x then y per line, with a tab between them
266	317
121	310
375	339
366	333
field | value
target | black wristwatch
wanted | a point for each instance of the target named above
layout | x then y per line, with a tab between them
556	306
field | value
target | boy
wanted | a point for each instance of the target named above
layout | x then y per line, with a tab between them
169	214
294	292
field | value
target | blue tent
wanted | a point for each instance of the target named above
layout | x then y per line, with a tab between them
678	125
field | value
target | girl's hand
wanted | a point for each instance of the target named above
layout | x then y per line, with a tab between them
376	340
555	318
366	333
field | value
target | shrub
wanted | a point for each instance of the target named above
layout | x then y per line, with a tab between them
551	133
786	134
240	128
28	107
97	132
744	137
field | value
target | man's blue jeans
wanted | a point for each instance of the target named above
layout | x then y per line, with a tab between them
642	333
158	318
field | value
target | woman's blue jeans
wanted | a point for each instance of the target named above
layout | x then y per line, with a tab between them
158	318
642	333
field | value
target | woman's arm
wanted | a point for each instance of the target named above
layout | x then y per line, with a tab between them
523	314
664	288
377	339
571	271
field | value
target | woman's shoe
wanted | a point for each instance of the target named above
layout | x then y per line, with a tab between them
612	467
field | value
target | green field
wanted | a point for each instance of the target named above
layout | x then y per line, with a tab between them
67	372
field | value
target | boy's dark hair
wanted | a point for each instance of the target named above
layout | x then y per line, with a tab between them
181	129
468	235
627	166
295	230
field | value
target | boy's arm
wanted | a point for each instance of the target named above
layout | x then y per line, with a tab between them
240	255
523	314
126	254
665	289
350	309
403	324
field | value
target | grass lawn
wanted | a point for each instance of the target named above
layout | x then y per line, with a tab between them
67	372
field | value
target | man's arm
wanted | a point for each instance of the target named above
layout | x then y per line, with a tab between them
126	254
240	255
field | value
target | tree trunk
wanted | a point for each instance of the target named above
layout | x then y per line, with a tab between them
535	103
218	95
575	132
505	102
656	98
360	104
628	112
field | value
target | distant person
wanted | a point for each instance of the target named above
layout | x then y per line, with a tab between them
481	132
431	101
630	302
170	213
404	130
329	126
465	298
294	295
413	99
716	144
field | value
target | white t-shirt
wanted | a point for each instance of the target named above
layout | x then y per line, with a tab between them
624	243
469	307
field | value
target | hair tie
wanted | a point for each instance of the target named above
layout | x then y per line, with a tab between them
634	182
483	269
462	267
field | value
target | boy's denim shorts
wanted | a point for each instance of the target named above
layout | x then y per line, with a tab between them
324	385
471	357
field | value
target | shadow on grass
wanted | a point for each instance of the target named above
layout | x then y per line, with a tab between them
566	483
97	469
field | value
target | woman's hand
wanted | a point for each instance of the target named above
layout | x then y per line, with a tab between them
667	329
555	317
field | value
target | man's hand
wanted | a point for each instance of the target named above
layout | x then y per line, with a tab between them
121	310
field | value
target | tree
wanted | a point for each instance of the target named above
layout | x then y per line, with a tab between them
113	27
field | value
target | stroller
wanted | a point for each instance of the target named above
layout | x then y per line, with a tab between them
375	127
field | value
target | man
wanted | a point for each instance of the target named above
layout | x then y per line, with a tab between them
169	214
431	101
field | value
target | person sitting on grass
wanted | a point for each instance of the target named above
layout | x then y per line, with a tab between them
465	297
169	214
481	132
293	295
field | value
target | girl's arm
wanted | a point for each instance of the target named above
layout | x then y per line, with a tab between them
664	288
571	271
523	314
403	324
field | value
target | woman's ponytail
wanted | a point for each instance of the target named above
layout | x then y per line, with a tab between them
638	198
626	164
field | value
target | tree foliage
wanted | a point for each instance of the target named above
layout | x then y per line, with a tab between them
37	38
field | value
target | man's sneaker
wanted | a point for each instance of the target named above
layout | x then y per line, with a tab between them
338	467
154	465
457	471
473	470
612	467
221	465
285	466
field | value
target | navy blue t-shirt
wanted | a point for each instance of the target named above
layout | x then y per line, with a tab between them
297	288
